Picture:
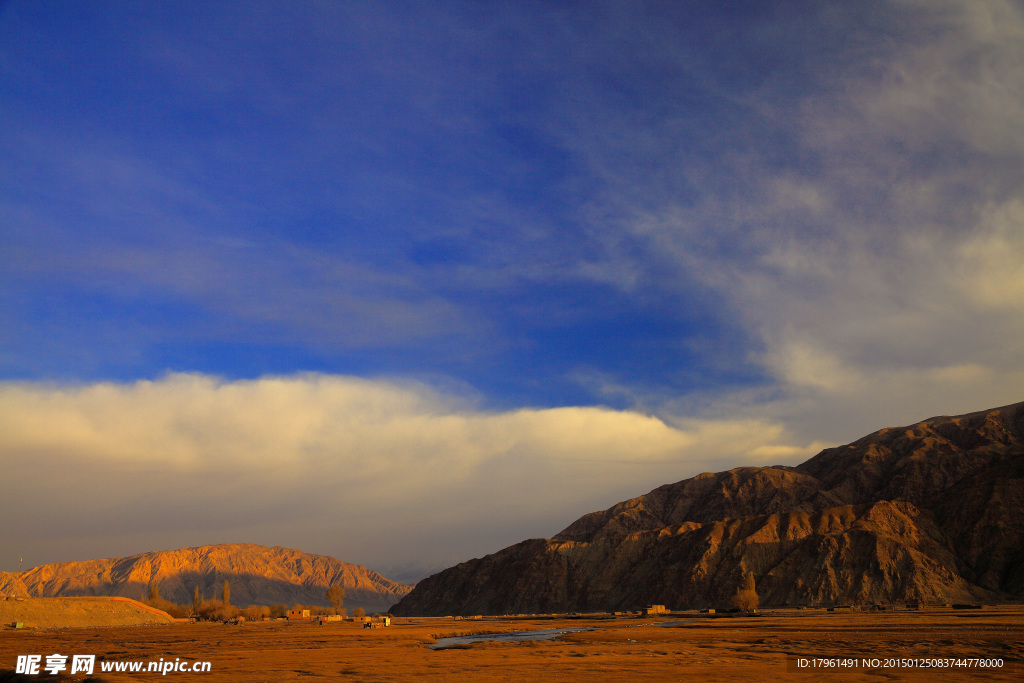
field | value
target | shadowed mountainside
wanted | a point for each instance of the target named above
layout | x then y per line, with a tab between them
925	513
257	575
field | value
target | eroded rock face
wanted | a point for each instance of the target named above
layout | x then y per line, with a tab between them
257	575
932	512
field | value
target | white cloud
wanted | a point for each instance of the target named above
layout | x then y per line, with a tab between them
372	471
990	263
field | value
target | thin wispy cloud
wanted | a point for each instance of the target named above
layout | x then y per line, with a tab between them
885	261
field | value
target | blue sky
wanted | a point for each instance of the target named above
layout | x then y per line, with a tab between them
767	227
359	190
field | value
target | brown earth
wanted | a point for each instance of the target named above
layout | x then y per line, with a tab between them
46	613
926	513
257	575
699	647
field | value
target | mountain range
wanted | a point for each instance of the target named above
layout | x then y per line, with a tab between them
931	512
256	575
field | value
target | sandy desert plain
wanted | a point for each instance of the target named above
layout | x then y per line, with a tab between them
683	645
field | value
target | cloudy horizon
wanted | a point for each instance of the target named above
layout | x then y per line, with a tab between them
405	285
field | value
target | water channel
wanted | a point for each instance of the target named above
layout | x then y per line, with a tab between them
514	636
536	634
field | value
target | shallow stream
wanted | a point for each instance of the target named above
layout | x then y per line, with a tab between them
538	634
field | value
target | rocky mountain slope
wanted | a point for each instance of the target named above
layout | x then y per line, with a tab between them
932	512
257	575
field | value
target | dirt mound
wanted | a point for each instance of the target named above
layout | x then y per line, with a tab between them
79	613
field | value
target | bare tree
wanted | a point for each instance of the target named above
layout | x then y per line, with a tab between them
336	595
746	594
227	593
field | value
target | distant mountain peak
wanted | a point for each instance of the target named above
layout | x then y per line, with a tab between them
257	575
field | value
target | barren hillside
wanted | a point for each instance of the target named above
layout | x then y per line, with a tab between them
930	512
257	575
